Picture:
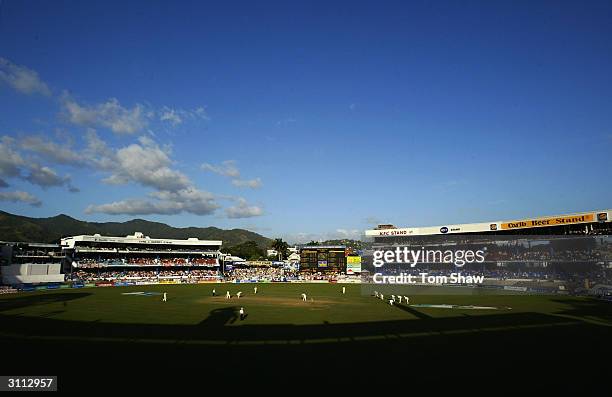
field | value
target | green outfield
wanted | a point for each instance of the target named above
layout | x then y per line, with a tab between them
196	316
104	326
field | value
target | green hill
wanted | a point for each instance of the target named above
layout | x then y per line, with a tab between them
22	228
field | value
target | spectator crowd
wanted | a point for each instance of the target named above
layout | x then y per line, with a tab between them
89	263
188	275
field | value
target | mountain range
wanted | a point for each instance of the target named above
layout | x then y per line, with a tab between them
51	230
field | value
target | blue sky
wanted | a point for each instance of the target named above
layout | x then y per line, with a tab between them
305	120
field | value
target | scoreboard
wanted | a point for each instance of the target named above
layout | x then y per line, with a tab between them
353	264
323	258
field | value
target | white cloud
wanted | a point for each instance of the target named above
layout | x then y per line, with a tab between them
144	163
10	161
109	114
100	156
189	200
201	113
44	176
179	116
22	79
251	183
13	165
133	207
227	168
20	197
243	210
172	116
57	153
123	120
148	165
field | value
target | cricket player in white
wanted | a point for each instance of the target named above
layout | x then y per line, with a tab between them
382	297
214	292
391	302
255	290
304	297
238	294
376	294
165	299
227	295
343	290
393	297
399	297
407	301
241	313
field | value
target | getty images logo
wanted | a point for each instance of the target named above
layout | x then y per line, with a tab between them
444	229
413	257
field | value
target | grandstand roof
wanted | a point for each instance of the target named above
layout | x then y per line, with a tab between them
137	238
495	226
307	247
34	245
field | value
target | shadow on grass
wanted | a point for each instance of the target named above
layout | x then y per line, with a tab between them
40	299
494	344
220	317
587	308
217	327
412	311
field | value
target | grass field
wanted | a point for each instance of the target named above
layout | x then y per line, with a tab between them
103	326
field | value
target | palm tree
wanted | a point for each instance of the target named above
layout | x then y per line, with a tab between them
281	247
